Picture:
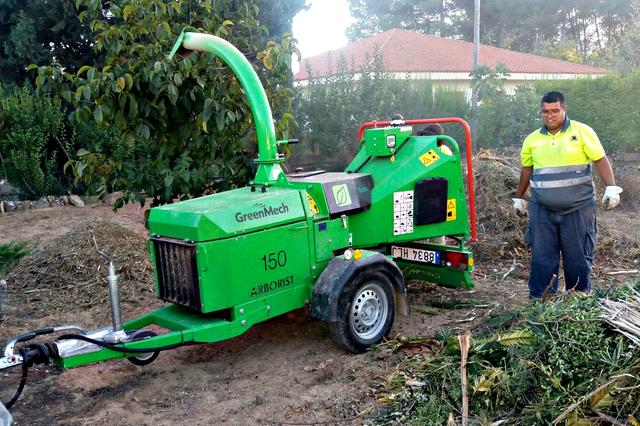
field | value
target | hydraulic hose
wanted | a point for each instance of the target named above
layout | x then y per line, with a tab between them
36	353
42	353
23	382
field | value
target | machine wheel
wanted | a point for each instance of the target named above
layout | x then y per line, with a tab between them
147	358
369	313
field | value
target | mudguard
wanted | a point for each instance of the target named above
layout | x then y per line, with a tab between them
328	287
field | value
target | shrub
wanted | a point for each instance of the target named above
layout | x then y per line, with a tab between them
10	254
33	142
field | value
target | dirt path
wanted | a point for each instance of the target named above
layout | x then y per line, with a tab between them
284	371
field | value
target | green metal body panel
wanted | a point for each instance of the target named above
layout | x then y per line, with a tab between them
391	175
438	275
251	266
227	214
383	142
334	239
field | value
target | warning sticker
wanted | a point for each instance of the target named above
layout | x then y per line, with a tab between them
312	204
429	157
451	209
402	212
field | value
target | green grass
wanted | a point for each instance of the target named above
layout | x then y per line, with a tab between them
10	254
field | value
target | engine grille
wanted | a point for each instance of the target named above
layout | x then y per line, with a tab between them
177	272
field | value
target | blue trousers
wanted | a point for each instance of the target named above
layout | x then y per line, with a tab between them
550	234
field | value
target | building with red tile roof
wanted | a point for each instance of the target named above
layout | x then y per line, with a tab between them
444	61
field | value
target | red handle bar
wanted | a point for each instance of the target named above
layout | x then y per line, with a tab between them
467	134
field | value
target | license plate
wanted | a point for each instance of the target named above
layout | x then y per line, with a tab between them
416	255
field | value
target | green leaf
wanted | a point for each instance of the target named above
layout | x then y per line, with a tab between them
177	78
167	28
86	92
121	83
168	180
128	11
66	95
207	110
97	115
118	204
220	120
80	167
128	81
172	93
78	94
133	107
515	338
157	67
83	69
144	131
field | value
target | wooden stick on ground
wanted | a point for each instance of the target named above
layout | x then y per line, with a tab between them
629	271
465	343
545	294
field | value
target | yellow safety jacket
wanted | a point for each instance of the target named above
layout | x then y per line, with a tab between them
561	179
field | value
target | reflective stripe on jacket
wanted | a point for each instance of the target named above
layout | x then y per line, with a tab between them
563	188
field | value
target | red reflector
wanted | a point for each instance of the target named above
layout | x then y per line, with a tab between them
457	260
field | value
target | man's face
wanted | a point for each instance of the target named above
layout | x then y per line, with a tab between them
553	114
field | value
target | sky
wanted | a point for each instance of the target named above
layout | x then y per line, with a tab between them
321	27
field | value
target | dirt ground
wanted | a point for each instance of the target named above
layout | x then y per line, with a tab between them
284	371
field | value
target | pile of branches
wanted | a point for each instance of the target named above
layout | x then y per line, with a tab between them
552	362
67	275
500	231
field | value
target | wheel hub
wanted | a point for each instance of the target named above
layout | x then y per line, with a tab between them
369	311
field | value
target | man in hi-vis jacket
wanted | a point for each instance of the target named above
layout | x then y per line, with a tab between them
556	165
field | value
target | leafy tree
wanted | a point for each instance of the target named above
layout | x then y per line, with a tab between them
578	30
374	16
625	54
186	120
277	16
40	32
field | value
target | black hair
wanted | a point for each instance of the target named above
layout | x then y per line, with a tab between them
431	130
552	97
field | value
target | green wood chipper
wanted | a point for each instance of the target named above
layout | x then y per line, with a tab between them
338	244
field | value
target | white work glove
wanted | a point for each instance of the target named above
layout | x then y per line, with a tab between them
520	206
611	197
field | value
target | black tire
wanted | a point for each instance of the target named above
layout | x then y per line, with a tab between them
369	309
146	358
